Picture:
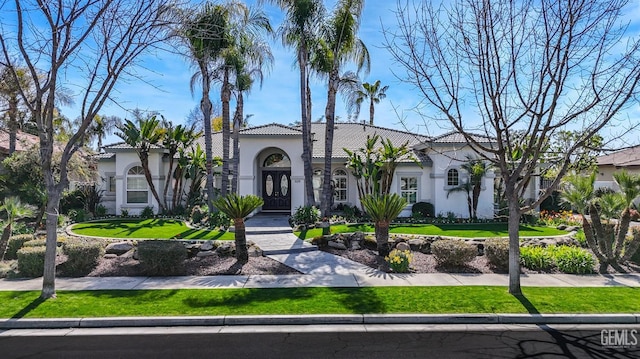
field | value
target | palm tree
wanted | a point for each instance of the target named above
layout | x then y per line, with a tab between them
142	137
102	126
256	55
11	83
608	241
243	22
366	91
15	210
205	34
477	169
238	208
176	138
383	209
299	30
340	45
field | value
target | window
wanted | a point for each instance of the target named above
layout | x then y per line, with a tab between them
453	177
317	184
409	189
137	187
340	185
277	160
111	182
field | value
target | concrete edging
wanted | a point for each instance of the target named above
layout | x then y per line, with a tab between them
320	319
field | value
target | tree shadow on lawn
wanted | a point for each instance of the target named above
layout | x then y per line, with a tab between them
356	300
31	306
526	304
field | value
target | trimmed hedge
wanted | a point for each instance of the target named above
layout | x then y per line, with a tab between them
15	243
425	209
162	258
38	242
573	260
82	256
497	252
536	258
453	252
31	261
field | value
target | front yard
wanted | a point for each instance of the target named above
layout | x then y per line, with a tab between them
146	228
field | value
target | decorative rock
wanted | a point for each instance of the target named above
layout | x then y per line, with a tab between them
573	228
254	251
207	246
118	248
205	254
561	227
337	245
403	246
357	237
226	249
110	256
355	246
129	254
420	245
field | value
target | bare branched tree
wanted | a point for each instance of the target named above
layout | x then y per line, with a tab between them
98	40
520	72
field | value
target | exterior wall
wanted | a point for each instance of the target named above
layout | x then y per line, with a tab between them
604	177
106	170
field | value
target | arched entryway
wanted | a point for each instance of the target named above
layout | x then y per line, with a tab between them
276	182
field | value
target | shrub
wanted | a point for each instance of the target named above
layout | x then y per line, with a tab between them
101	210
197	214
161	258
306	215
453	252
573	260
497	252
15	243
424	209
38	242
147	212
351	213
78	215
219	219
124	212
536	258
31	261
82	255
399	261
580	238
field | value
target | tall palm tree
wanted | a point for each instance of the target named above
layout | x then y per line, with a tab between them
340	45
176	138
243	21
142	136
238	208
366	91
383	209
15	210
102	126
477	169
205	34
256	56
299	30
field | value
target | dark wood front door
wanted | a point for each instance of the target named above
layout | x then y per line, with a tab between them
276	190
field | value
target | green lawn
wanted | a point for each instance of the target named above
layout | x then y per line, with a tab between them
146	228
467	230
428	300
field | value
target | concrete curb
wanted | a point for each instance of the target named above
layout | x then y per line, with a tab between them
321	319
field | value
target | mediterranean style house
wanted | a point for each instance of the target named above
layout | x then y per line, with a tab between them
271	167
625	159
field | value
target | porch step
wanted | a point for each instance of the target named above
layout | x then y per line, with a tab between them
289	250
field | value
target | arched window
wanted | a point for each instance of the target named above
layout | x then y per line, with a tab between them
137	187
277	160
317	184
340	185
453	177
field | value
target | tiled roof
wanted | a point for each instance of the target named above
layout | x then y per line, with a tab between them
456	137
23	141
626	157
123	145
271	129
104	156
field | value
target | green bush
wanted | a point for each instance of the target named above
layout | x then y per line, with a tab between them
78	215
147	212
536	258
305	215
198	214
573	260
219	219
453	252
82	255
101	210
38	242
581	238
424	209
31	261
162	258
124	212
15	243
497	252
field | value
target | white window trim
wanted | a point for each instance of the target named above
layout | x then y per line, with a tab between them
346	188
447	186
107	186
418	176
126	188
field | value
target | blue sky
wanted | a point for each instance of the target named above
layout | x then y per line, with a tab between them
165	78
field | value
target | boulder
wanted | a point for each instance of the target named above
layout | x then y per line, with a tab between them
118	248
573	228
337	245
207	246
561	227
226	249
403	246
202	254
357	237
420	245
129	254
355	246
255	251
110	256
